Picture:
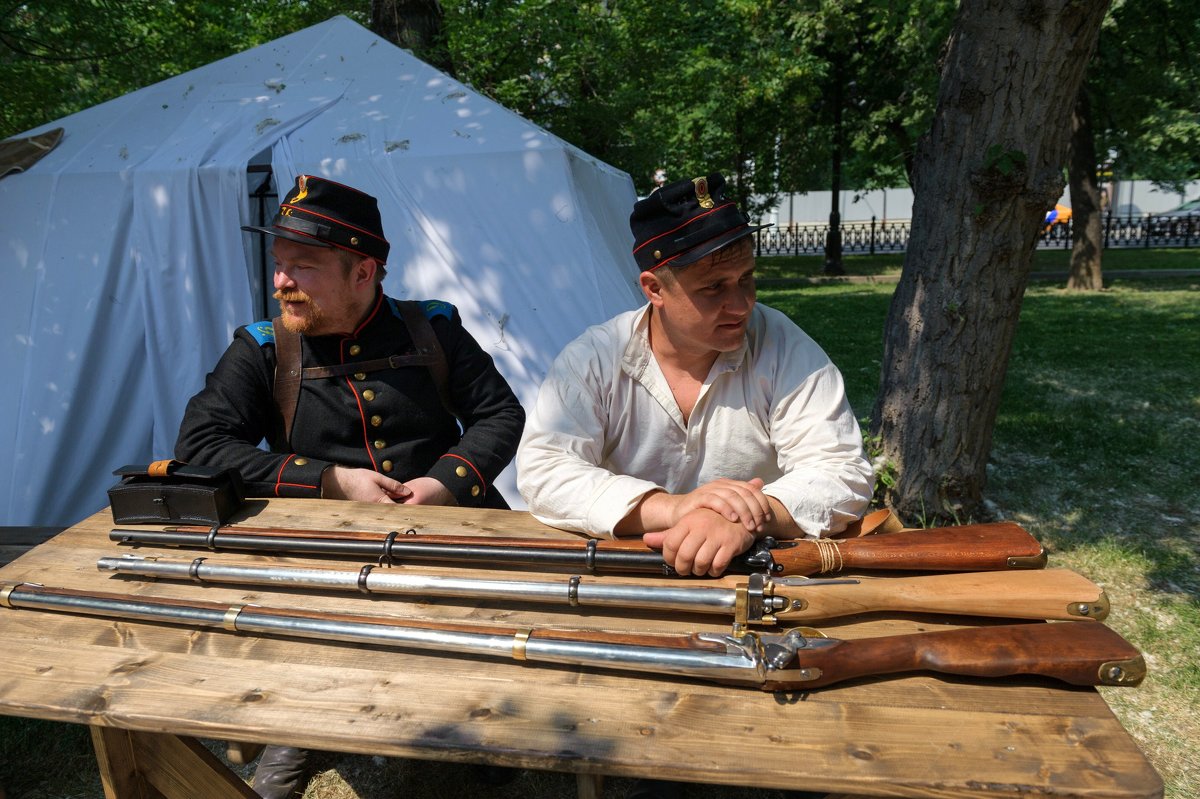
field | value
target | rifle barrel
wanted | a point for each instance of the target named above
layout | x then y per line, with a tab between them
585	556
999	546
1049	594
574	591
1078	653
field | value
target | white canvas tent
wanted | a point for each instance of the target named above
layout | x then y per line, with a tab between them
125	272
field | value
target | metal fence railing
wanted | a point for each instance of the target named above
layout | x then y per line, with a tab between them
872	237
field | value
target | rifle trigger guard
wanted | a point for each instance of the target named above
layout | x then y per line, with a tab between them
759	558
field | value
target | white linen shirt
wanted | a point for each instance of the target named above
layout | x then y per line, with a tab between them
606	429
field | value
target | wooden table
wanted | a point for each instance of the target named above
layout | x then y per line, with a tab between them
147	690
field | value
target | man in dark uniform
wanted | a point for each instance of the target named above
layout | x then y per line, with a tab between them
371	420
359	396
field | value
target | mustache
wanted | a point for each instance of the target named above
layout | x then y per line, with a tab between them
294	295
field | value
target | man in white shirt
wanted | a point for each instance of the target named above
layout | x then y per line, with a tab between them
701	421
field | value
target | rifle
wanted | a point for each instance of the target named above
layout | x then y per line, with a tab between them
978	547
1077	653
758	599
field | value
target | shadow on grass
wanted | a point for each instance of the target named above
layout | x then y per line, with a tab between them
1099	422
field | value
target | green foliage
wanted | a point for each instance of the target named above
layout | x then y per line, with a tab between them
739	86
886	55
644	85
1142	82
61	56
885	469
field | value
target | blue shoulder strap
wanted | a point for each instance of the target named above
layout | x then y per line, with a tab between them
432	308
263	332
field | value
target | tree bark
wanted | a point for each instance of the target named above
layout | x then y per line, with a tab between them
1086	234
417	26
985	174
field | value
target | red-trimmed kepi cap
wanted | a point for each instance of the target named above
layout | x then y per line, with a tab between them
325	213
684	221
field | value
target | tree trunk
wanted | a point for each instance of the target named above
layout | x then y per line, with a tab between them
1086	233
985	174
415	25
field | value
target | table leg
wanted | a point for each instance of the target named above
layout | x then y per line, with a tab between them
589	786
148	765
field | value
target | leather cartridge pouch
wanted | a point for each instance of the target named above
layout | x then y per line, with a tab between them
170	491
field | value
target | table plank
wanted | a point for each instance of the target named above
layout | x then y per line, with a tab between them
914	736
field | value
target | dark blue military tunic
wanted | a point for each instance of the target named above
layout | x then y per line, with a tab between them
391	420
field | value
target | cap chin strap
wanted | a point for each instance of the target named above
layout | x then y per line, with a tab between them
305	226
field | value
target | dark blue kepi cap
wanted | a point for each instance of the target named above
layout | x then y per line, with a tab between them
324	213
684	221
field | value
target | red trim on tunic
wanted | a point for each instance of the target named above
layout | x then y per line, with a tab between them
464	460
279	476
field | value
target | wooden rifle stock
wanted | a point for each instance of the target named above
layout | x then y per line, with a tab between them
1074	652
1080	654
979	547
974	547
756	599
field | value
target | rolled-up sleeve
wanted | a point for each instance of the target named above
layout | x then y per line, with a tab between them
827	482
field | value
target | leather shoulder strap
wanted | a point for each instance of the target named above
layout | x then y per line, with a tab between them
287	374
426	342
880	521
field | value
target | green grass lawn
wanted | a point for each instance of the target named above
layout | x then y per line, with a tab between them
1096	452
1056	260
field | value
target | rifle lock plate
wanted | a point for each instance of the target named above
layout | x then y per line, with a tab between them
788	602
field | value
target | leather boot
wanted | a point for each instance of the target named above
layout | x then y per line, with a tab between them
282	772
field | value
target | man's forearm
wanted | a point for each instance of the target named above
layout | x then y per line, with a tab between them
781	524
656	511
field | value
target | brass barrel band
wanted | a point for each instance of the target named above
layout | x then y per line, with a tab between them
520	639
230	620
